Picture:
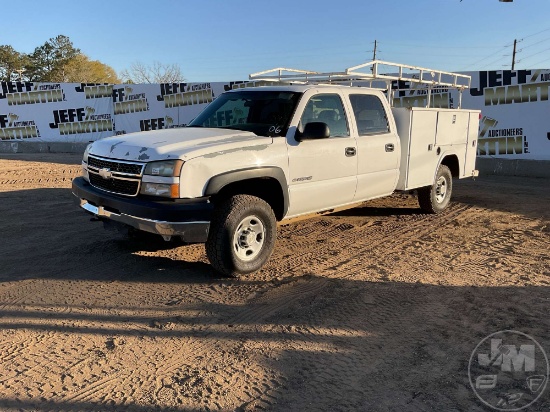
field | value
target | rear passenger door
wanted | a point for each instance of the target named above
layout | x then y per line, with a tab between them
377	145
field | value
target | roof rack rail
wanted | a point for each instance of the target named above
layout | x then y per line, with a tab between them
380	71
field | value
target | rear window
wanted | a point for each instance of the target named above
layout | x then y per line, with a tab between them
369	113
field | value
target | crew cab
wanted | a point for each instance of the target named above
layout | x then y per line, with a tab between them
260	156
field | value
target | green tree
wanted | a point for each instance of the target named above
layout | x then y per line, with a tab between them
48	62
10	62
57	60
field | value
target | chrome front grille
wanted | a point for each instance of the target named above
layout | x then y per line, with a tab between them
115	176
116	166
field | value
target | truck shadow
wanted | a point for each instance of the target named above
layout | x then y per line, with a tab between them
47	236
526	196
379	211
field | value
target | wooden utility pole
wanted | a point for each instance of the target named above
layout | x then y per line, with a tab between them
374	53
514	54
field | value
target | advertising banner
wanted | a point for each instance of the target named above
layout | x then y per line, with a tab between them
515	121
79	112
515	110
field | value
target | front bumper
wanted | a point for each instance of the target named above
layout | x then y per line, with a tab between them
186	218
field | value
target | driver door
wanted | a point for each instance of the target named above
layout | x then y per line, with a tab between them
322	172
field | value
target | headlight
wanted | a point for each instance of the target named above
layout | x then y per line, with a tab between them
85	163
86	152
160	189
164	168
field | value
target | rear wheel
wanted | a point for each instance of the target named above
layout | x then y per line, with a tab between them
242	235
436	198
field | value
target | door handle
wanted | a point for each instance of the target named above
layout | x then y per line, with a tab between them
390	147
350	151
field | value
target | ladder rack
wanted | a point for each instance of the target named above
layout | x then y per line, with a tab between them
380	71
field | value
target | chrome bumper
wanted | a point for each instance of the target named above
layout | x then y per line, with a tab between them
192	231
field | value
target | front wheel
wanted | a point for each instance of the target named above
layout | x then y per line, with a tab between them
435	198
242	235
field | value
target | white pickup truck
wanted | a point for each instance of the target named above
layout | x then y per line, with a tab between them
257	156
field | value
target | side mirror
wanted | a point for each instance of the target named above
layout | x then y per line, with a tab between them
314	130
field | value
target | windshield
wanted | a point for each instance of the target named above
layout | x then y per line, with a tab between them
265	113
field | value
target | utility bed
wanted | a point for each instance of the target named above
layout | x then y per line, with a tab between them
426	134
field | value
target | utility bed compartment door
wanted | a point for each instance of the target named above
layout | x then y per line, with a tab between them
429	134
417	133
471	146
452	128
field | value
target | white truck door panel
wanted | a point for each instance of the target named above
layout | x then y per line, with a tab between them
453	134
322	172
378	162
377	146
321	175
471	145
452	127
423	158
417	132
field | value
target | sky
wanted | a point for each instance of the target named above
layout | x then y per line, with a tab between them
214	40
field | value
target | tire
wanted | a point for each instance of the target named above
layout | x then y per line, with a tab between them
436	198
242	235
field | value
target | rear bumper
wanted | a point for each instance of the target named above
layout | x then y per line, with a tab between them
188	219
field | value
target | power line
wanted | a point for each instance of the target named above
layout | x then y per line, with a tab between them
438	54
496	61
424	46
534	44
540	62
518	41
534	34
535	54
489	56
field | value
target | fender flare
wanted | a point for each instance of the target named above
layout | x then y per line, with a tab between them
218	182
443	156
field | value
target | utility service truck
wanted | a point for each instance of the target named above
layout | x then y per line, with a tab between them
307	143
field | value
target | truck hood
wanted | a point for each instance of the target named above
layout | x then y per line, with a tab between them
180	143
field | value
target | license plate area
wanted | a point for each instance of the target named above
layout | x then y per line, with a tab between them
90	208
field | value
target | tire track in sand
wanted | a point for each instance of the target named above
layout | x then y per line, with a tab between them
207	344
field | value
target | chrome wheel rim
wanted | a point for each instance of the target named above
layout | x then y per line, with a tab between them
249	238
441	190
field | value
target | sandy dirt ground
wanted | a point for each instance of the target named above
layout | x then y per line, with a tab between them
376	308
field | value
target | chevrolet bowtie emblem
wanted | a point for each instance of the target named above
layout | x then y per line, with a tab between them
105	173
